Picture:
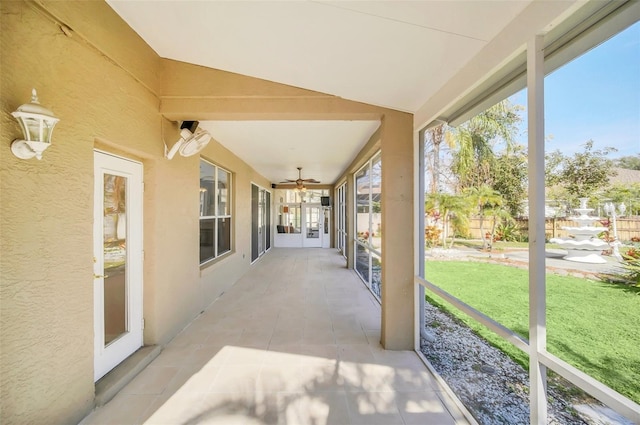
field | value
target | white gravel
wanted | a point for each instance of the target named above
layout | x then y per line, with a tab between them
493	387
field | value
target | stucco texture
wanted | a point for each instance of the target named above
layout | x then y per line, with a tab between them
46	263
113	93
46	290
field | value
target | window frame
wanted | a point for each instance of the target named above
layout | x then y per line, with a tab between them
216	213
341	221
367	244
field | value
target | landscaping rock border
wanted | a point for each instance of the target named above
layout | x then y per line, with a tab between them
491	385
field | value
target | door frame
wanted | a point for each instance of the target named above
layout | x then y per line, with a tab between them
312	242
108	357
260	235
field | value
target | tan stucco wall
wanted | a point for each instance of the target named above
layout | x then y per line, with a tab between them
46	207
112	92
46	289
397	224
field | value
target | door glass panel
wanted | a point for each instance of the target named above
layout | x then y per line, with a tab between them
326	222
115	257
261	214
268	221
313	218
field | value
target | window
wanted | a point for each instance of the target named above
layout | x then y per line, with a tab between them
342	220
215	211
368	249
289	206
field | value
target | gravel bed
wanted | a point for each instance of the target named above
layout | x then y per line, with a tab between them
493	387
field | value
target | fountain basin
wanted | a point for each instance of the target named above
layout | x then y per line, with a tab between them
585	247
582	251
587	244
584	231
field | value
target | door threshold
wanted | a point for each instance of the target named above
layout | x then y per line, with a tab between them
110	384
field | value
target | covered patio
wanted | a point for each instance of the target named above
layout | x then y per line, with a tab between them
247	332
295	340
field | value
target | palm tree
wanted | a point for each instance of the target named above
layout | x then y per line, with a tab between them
475	141
485	201
499	215
435	137
454	209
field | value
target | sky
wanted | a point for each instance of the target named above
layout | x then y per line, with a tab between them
595	97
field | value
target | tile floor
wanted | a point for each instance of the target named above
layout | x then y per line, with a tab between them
295	341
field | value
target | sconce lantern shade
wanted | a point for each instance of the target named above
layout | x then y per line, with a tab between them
37	123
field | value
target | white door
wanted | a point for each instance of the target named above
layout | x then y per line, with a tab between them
117	283
262	246
326	237
312	231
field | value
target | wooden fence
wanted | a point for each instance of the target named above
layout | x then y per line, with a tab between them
627	227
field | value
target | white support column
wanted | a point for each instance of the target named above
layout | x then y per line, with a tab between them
350	216
419	185
537	271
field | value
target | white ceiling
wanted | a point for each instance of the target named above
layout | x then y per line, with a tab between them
395	54
277	148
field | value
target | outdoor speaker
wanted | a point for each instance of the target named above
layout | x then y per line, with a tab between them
189	125
325	201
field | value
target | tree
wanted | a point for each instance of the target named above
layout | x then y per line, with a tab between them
485	200
510	179
630	162
453	209
434	137
582	174
475	141
629	194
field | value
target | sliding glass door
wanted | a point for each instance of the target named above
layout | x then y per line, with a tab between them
260	221
341	220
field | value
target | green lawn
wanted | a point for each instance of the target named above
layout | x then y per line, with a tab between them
592	325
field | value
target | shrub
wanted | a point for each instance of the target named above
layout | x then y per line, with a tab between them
509	232
631	274
632	254
432	235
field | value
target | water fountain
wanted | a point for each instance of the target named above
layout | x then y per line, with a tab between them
585	247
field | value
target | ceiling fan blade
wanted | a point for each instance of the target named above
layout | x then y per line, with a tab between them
300	180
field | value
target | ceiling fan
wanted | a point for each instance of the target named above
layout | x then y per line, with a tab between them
300	181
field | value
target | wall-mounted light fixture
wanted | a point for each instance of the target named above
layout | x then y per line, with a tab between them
37	124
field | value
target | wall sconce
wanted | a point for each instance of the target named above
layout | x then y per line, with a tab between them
37	124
